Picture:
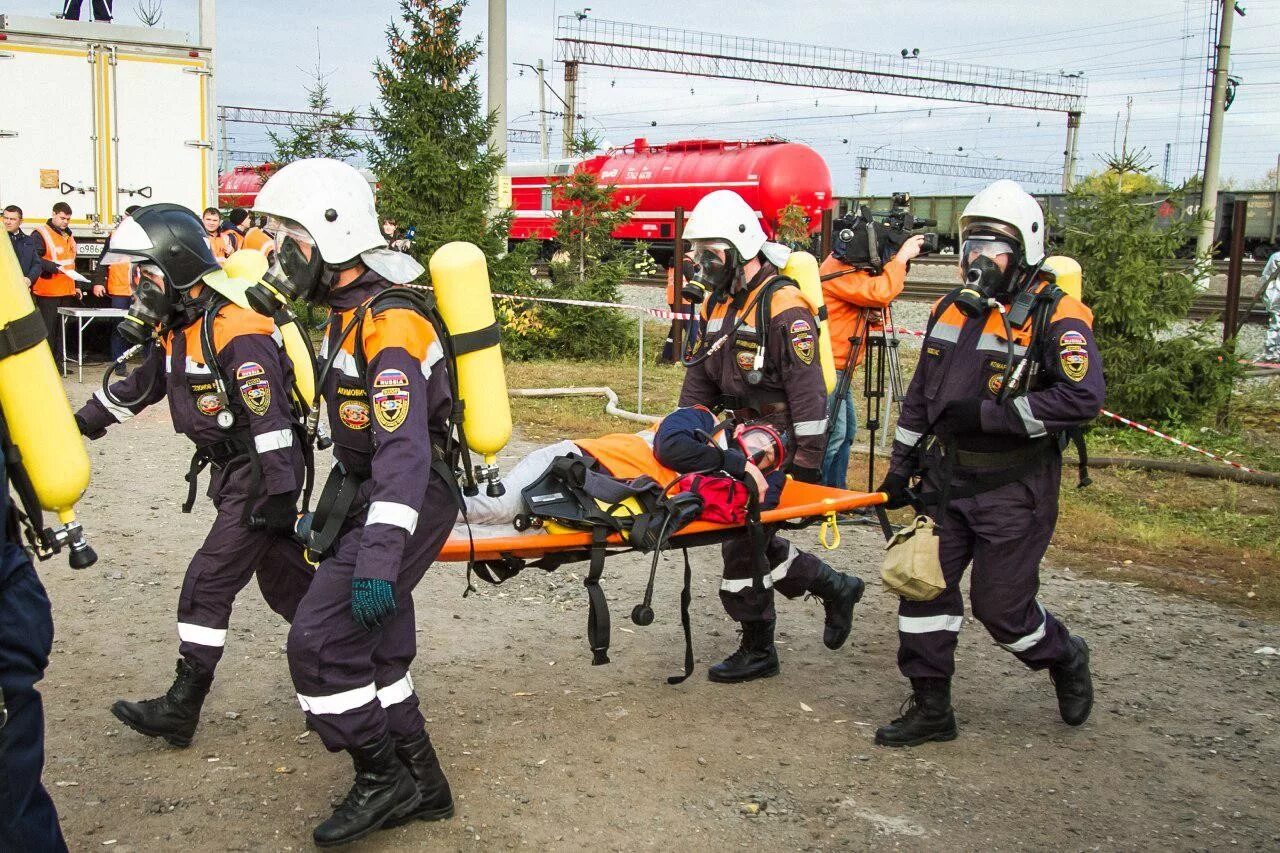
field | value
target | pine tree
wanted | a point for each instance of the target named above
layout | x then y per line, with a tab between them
435	165
1153	370
324	133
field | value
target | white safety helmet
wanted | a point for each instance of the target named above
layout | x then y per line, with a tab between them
724	215
1007	209
332	202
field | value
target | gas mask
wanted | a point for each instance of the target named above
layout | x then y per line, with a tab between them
299	272
709	267
983	278
152	306
763	446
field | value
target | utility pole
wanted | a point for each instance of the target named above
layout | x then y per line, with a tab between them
497	79
1069	155
1213	150
1168	150
570	104
544	147
862	182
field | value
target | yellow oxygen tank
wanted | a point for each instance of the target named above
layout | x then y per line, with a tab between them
802	267
39	419
245	269
1067	275
461	280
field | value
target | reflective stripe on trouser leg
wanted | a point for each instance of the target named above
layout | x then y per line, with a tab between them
741	600
793	570
928	630
391	659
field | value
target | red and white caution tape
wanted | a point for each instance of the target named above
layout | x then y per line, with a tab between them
1179	442
1270	364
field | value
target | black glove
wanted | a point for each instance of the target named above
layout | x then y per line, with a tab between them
277	514
959	417
895	486
806	475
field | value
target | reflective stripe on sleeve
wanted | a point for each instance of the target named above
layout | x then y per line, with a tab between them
338	703
810	427
714	325
394	514
120	413
945	332
275	440
202	636
345	363
395	692
909	437
929	624
1034	426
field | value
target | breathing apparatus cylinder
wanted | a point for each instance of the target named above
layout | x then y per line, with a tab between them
1067	275
243	279
39	418
461	280
802	268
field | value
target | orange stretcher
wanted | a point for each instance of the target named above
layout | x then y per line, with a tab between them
800	502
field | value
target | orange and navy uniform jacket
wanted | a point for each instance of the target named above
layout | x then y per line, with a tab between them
965	358
220	245
849	297
119	275
258	240
260	376
57	250
386	418
792	371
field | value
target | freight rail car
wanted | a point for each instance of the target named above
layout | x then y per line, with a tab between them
1262	228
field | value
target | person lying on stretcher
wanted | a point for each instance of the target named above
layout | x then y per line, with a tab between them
688	441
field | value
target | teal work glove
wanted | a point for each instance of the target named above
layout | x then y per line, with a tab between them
373	601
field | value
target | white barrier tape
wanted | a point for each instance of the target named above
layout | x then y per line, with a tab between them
660	313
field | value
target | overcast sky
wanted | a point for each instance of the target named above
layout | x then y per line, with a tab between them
1151	50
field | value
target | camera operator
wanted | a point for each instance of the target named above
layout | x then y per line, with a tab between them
855	295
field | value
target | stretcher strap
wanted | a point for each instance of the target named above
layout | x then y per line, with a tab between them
685	598
598	613
332	510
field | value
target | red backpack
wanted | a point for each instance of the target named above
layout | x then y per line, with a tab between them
724	499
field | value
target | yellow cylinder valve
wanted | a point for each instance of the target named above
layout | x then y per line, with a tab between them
1067	275
39	419
461	280
802	268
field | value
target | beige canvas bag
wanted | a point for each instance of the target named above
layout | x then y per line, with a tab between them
911	567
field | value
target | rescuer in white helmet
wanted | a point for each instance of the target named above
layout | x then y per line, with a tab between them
757	357
388	391
1008	370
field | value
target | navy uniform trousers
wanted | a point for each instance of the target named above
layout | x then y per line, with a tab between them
28	820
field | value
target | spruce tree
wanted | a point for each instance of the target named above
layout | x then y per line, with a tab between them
435	166
324	133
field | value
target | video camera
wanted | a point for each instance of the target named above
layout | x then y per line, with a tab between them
865	240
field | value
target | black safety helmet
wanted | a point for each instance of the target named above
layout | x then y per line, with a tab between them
169	236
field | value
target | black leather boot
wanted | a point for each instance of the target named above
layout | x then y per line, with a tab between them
927	716
384	790
755	658
1073	683
419	756
839	592
174	715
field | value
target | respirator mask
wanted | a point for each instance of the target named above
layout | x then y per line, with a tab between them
298	272
983	277
763	446
151	308
711	265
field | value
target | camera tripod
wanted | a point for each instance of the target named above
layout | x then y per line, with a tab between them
881	375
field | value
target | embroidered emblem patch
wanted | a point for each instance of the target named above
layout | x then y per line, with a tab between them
208	404
994	383
1072	339
257	395
248	370
354	414
1074	361
390	399
746	359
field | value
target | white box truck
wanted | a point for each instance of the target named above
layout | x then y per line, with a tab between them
102	117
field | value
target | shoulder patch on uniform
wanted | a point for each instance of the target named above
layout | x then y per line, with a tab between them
390	398
1074	360
249	369
1071	338
256	393
802	341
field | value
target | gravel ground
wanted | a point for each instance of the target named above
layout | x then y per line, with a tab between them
545	751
